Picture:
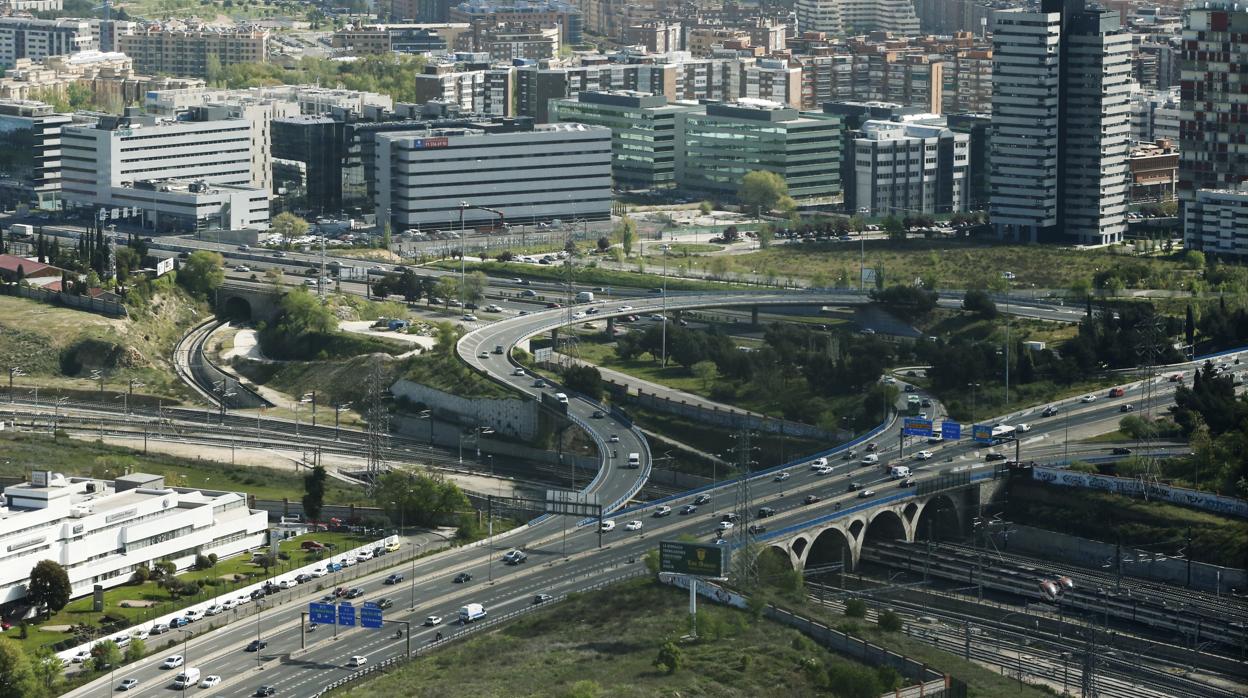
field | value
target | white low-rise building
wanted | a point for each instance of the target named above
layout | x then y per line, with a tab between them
100	531
919	166
1216	221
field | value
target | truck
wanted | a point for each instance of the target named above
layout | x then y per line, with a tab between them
471	612
585	297
1002	431
634	460
898	472
20	231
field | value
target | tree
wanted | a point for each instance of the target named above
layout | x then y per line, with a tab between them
586	380
669	659
894	227
705	208
421	500
48	586
386	237
765	235
761	190
105	655
135	650
856	608
889	622
47	668
906	302
604	244
474	286
314	493
705	371
980	303
202	273
17	679
626	233
288	226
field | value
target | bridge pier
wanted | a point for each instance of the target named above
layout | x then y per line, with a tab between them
611	326
754	315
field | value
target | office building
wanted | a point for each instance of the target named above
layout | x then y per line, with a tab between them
1154	171
476	90
102	531
856	16
381	39
513	41
1060	124
308	99
424	11
908	168
643	133
103	164
31	132
550	171
23	37
728	141
1213	128
978	128
1155	115
489	13
15	6
1216	221
179	48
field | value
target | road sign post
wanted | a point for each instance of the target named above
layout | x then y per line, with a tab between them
370	616
915	426
346	614
950	431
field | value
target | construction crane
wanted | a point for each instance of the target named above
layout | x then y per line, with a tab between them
502	220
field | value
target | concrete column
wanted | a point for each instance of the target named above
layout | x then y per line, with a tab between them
754	316
611	326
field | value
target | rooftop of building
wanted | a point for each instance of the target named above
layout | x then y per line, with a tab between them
11	262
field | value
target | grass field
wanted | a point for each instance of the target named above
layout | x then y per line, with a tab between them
604	643
58	348
961	264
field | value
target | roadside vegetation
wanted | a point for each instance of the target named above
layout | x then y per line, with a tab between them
590	275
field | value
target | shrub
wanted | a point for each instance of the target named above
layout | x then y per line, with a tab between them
856	608
890	622
669	659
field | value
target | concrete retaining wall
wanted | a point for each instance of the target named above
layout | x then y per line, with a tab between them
725	418
512	416
1091	553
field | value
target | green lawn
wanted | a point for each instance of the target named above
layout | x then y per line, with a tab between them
604	643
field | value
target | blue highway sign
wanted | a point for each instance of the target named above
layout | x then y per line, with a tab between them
346	614
321	613
982	433
950	431
913	426
370	615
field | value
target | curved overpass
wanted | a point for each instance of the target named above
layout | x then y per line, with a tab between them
615	484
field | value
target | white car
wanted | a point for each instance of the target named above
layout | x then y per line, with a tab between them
1088	398
577	316
923	455
193	615
469	317
493	309
357	660
433	620
229	603
662	511
318	572
215	610
347	562
1023	428
127	684
782	476
823	470
517	371
242	267
608	525
632	526
140	634
613	439
242	599
624	308
725	525
870	459
889	380
81	656
122	641
171	662
210	681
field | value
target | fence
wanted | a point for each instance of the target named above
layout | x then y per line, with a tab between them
1131	487
466	633
101	306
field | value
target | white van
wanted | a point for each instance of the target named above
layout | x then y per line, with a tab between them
188	678
634	460
897	472
471	612
562	397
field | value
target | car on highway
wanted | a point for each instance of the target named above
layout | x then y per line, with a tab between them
1121	451
624	308
782	476
864	494
824	470
394	579
256	645
517	371
357	660
431	621
870	459
923	455
242	267
539	383
1049	411
811	499
662	511
908	482
462	578
127	684
848	455
701	499
1022	428
871	447
1087	398
994	456
541	598
613	439
633	526
492	308
764	512
469	317
757	528
515	557
818	463
607	525
210	681
355	593
687	509
935	439
597	414
853	486
725	526
1127	408
265	690
384	603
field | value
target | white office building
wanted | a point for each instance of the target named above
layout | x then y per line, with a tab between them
103	165
23	37
1216	221
913	167
1060	124
1155	115
553	171
857	16
101	531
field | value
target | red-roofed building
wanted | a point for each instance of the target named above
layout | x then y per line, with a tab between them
36	273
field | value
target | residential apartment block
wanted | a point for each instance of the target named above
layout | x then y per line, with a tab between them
188	49
488	13
24	37
856	16
910	167
32	132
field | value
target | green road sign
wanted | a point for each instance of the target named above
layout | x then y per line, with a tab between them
693	558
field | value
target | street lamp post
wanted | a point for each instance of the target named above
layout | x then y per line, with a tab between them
186	656
665	248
